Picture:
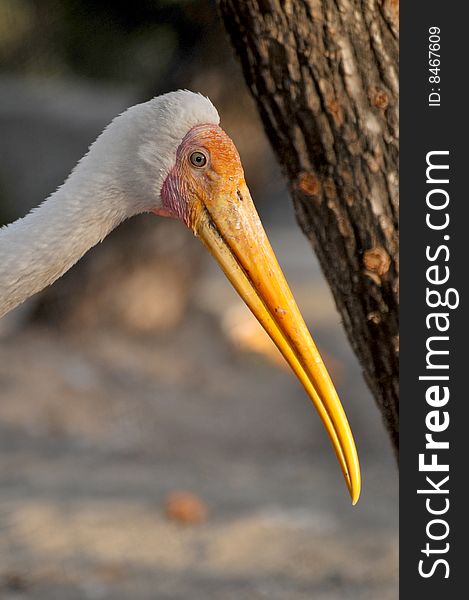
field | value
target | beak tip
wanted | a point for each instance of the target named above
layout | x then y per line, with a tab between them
355	492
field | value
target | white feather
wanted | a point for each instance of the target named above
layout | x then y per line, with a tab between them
120	176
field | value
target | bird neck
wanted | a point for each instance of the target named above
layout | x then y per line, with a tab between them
39	248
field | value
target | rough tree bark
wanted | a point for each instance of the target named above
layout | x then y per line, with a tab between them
324	77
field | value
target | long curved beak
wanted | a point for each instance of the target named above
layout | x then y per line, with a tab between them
230	228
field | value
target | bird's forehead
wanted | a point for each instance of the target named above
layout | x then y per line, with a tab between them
212	138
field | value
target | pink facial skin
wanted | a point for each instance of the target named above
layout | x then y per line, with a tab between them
174	200
175	190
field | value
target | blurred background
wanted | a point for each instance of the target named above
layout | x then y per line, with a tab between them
152	444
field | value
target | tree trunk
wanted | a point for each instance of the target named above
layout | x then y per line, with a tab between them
324	77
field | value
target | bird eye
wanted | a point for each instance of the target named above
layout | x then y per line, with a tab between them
198	159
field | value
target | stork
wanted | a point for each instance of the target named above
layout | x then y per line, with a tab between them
169	156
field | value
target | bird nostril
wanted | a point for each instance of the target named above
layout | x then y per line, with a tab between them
240	195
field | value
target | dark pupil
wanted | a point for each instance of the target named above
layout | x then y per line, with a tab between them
198	159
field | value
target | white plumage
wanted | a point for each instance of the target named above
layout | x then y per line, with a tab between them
120	176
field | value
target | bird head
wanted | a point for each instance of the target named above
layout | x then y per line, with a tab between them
192	171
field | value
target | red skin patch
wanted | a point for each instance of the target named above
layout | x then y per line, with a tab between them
186	184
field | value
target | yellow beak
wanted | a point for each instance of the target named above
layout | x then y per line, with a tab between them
230	228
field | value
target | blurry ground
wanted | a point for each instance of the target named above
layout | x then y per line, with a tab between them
98	426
